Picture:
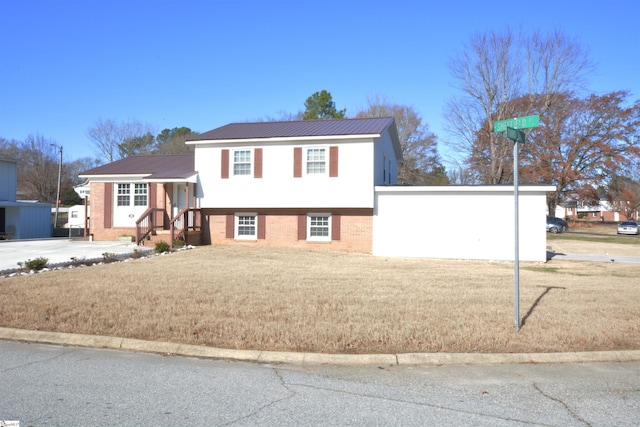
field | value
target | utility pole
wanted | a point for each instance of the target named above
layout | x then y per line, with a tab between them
55	224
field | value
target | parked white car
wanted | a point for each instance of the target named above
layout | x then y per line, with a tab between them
628	227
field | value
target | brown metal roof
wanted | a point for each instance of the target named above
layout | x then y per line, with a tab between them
302	128
151	166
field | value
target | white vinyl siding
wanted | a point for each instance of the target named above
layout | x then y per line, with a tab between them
352	189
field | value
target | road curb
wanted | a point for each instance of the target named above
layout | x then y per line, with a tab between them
114	343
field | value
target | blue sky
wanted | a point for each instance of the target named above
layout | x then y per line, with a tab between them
202	64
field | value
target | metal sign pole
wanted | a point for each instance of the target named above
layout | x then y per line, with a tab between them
512	128
516	259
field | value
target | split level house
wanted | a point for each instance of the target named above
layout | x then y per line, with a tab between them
321	184
273	183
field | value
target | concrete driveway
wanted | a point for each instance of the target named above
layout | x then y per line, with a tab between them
60	250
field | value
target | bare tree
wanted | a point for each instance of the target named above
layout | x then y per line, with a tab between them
38	160
38	168
9	148
422	165
460	176
111	138
494	70
489	74
556	65
75	168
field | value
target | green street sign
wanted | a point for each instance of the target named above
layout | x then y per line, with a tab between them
517	123
515	135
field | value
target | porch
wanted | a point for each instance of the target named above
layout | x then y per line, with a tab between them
152	227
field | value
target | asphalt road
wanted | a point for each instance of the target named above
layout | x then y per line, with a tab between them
45	385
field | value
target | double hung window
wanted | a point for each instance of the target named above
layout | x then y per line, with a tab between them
242	162
319	227
246	226
319	161
140	194
124	194
316	160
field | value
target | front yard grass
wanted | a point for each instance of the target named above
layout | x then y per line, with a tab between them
253	297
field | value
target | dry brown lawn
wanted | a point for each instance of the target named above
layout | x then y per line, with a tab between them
250	297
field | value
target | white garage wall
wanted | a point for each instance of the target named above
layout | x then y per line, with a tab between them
466	222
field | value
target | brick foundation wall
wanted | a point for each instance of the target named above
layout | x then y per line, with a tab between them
356	230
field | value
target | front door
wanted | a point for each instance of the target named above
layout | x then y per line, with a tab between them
180	201
2	218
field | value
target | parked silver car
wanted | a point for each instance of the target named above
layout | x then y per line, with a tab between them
556	225
628	227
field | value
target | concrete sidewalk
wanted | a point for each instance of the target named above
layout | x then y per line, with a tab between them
60	250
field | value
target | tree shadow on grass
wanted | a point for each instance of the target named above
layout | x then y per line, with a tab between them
547	289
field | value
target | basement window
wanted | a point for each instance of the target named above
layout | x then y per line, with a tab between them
246	227
319	227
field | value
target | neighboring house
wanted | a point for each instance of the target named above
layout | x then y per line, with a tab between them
82	190
603	211
78	215
140	196
321	184
20	219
